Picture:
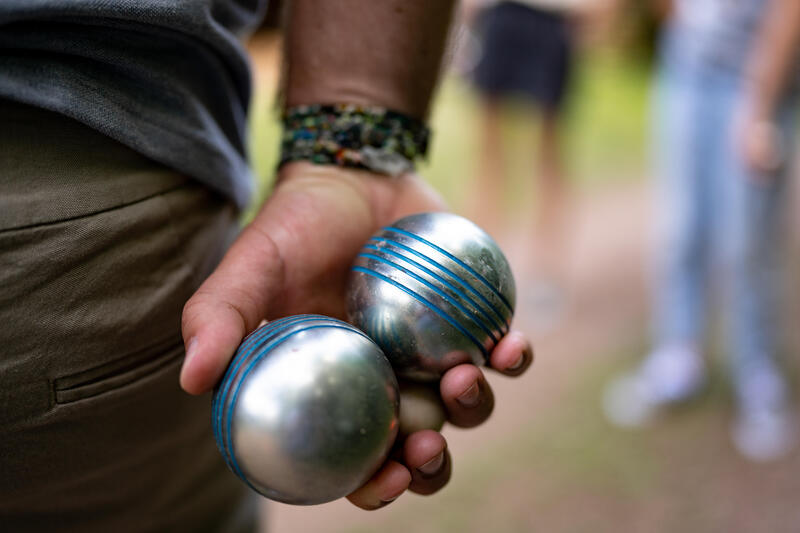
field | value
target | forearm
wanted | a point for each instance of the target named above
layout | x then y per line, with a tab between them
774	56
383	53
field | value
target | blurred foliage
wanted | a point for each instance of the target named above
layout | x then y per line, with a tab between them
608	126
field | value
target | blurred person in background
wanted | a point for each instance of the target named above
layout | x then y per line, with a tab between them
526	51
723	131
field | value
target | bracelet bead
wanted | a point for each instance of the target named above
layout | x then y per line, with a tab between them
372	138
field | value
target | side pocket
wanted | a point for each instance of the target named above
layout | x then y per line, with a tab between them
117	374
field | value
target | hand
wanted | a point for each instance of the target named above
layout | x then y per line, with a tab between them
294	258
760	143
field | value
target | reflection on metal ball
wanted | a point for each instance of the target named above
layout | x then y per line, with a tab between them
307	410
433	290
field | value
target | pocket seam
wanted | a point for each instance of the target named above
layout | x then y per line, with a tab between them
116	374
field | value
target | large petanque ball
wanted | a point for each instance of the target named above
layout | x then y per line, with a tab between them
307	410
433	290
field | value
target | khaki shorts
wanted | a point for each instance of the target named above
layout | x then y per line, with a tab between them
99	250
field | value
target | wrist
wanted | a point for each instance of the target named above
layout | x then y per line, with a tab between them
384	198
299	170
369	196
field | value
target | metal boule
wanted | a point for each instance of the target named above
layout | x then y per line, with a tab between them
307	410
433	290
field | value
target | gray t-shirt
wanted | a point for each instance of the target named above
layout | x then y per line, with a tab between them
169	78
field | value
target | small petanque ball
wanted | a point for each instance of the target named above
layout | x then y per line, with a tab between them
433	290
307	410
420	408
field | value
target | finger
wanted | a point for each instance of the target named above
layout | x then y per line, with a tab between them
426	456
466	395
384	487
227	306
512	355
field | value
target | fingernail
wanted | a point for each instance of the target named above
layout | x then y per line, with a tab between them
432	467
527	355
470	397
191	349
390	499
518	364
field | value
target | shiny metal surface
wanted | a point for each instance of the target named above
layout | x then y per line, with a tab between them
433	290
307	410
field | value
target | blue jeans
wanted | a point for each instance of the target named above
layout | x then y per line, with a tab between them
718	226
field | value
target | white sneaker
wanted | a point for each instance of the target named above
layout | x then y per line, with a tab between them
765	429
667	376
765	436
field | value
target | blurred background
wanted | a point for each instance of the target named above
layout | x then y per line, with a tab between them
548	459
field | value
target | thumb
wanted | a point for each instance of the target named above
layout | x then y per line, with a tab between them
227	306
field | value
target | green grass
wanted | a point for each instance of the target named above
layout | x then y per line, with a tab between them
608	126
605	133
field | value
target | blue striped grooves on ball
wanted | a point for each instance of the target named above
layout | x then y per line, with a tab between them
458	261
488	306
249	344
433	307
490	313
331	323
253	349
447	298
465	303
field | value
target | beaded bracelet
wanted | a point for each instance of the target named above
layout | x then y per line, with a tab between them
371	138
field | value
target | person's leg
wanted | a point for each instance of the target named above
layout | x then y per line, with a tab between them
512	39
487	201
546	262
682	139
99	250
550	203
545	80
750	250
674	370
